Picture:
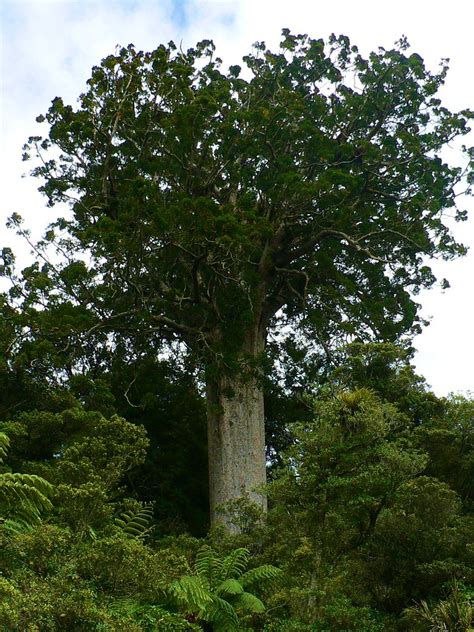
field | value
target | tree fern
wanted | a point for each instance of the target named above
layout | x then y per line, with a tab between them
23	497
136	522
217	593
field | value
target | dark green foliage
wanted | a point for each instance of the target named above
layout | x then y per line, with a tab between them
84	454
151	617
70	583
164	399
65	575
158	395
420	542
448	438
386	369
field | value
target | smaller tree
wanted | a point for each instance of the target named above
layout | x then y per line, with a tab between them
344	465
344	468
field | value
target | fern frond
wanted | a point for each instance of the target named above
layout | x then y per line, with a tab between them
23	489
250	603
208	565
222	615
4	444
125	605
190	594
23	498
265	574
27	481
136	524
17	525
234	564
230	587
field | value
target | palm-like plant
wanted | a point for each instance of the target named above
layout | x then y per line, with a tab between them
218	592
23	497
455	614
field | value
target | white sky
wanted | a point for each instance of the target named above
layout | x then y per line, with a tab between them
49	46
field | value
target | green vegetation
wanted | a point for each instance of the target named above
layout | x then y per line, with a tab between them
369	527
208	211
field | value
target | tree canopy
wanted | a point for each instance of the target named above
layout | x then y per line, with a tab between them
307	185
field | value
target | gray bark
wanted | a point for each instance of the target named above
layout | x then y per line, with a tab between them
236	439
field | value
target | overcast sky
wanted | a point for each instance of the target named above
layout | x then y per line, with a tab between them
48	48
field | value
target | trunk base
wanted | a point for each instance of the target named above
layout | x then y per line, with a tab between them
236	444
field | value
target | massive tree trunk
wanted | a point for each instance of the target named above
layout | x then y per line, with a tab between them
236	436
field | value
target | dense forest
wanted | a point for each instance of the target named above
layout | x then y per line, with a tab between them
209	417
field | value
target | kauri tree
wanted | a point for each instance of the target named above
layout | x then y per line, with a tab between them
209	207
